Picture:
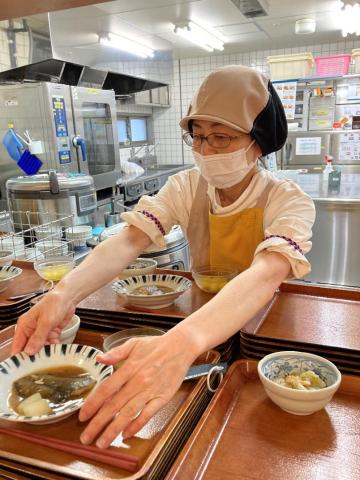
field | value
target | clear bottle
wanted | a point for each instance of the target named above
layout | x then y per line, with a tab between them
325	174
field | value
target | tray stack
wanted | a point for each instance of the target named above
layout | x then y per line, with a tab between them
105	310
243	434
324	321
156	446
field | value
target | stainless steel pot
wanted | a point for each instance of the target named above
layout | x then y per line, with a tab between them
175	255
51	192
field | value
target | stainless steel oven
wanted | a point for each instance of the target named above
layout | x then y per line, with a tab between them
76	124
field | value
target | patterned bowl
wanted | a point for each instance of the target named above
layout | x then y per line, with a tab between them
7	274
148	290
299	402
51	356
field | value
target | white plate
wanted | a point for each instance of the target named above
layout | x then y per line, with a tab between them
176	282
50	356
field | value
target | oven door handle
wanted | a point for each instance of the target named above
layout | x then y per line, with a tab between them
78	141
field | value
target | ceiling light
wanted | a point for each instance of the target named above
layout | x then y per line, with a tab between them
349	18
126	45
205	38
305	26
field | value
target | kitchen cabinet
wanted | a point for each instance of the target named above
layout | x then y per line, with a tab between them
156	97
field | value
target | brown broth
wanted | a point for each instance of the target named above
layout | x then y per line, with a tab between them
63	371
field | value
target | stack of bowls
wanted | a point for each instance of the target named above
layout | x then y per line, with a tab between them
78	236
48	232
30	255
15	243
6	258
50	248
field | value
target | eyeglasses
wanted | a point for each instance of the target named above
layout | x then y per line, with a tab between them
216	140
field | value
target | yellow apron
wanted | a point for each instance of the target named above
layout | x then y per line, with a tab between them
234	238
224	239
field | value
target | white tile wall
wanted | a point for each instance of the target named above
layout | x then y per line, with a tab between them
22	46
189	73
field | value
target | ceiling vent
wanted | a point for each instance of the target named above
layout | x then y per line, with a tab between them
251	8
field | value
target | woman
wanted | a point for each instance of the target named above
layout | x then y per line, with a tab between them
232	213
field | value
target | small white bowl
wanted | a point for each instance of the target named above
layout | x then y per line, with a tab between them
6	258
78	235
51	247
30	255
140	266
177	284
7	274
68	334
298	402
56	355
48	232
15	243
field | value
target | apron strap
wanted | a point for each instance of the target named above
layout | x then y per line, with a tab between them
198	232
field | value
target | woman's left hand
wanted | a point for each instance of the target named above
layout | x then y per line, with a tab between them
153	370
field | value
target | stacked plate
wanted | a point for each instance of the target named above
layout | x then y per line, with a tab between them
252	347
308	318
115	321
156	446
9	313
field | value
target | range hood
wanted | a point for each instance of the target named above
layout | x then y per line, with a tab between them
64	48
60	71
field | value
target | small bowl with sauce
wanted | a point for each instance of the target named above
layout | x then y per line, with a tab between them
51	385
298	382
54	268
212	278
152	291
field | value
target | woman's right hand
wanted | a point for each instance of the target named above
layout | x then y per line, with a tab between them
42	324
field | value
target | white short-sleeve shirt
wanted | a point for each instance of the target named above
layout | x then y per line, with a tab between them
289	212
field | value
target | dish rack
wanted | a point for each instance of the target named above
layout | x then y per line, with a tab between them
33	236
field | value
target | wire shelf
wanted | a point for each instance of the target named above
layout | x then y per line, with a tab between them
34	236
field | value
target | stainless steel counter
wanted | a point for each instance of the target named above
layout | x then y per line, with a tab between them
335	254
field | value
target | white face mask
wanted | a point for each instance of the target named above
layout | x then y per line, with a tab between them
224	170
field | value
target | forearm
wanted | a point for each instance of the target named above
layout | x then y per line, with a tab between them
236	303
105	262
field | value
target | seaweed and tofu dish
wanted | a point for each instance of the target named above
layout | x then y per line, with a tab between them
51	390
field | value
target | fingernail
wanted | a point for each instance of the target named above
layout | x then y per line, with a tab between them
84	439
30	350
100	443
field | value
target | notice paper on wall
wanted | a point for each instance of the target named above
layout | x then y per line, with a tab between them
308	146
349	147
287	95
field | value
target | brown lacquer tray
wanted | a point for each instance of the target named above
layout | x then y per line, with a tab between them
310	315
105	299
243	435
155	446
28	281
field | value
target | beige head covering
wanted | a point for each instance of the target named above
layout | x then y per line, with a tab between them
244	99
233	95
